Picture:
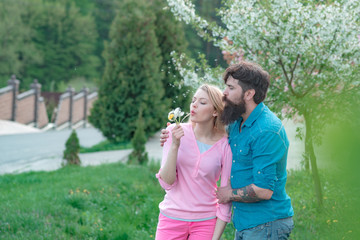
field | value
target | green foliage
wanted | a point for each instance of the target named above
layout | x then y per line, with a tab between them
65	40
106	146
170	35
72	148
132	76
104	13
16	48
138	142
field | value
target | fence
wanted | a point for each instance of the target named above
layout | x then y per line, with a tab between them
29	107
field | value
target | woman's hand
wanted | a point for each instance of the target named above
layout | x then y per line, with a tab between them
177	134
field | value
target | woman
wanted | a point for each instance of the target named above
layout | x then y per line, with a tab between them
193	160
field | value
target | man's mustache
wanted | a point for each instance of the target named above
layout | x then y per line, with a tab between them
226	100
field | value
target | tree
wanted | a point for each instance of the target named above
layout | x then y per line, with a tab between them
310	50
132	76
72	148
104	14
16	48
170	37
66	41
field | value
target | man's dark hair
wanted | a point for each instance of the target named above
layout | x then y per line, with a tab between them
250	76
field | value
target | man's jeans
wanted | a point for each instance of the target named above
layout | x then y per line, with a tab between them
279	229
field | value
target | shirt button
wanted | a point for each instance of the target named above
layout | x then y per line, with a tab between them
259	172
234	145
240	150
234	207
233	160
231	176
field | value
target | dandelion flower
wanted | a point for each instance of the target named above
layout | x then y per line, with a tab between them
175	115
171	116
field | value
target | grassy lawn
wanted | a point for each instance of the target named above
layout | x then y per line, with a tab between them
118	201
106	146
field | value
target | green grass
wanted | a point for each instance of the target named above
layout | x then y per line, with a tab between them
106	146
118	201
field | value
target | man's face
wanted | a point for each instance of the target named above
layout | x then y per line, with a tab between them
234	101
233	91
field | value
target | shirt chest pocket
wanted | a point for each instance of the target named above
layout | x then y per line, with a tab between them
242	154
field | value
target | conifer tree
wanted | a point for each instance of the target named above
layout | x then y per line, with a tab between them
132	76
138	142
71	152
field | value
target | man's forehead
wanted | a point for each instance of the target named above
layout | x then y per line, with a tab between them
232	81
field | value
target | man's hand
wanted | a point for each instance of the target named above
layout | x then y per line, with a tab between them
164	135
247	194
223	194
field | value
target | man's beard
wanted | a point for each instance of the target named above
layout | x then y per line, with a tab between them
232	111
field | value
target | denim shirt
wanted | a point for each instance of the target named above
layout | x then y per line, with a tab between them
259	157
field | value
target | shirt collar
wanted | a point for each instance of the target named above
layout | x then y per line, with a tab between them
254	114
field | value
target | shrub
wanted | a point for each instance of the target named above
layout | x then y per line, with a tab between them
138	141
72	150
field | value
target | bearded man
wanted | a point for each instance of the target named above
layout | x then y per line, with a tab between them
261	207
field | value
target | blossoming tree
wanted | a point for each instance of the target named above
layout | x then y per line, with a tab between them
311	51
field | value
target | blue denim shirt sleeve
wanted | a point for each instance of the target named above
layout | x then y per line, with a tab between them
268	149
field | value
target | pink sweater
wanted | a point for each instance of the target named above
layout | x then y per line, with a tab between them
192	195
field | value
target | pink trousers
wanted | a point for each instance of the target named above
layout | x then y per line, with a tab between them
170	229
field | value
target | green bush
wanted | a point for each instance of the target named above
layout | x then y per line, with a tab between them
71	152
138	142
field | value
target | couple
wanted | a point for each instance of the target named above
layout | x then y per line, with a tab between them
250	157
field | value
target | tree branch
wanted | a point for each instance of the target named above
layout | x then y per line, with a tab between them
293	69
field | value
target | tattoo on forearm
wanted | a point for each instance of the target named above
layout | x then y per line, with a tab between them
245	194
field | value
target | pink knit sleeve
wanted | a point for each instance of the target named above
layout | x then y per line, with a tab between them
166	148
224	210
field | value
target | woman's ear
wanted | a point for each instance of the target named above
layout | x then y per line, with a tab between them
215	114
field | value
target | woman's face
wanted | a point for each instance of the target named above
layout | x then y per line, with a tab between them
201	109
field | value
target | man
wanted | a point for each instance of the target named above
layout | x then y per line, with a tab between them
261	207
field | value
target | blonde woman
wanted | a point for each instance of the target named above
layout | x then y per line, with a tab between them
194	159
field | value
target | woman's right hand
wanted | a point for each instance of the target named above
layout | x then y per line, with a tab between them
177	134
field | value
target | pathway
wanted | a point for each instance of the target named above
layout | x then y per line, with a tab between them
18	154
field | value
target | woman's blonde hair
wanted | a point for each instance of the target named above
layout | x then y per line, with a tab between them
215	97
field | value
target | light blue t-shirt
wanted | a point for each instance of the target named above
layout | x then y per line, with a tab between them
203	147
259	157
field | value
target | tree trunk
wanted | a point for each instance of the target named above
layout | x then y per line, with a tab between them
310	155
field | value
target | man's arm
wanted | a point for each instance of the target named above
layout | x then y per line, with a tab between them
248	194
